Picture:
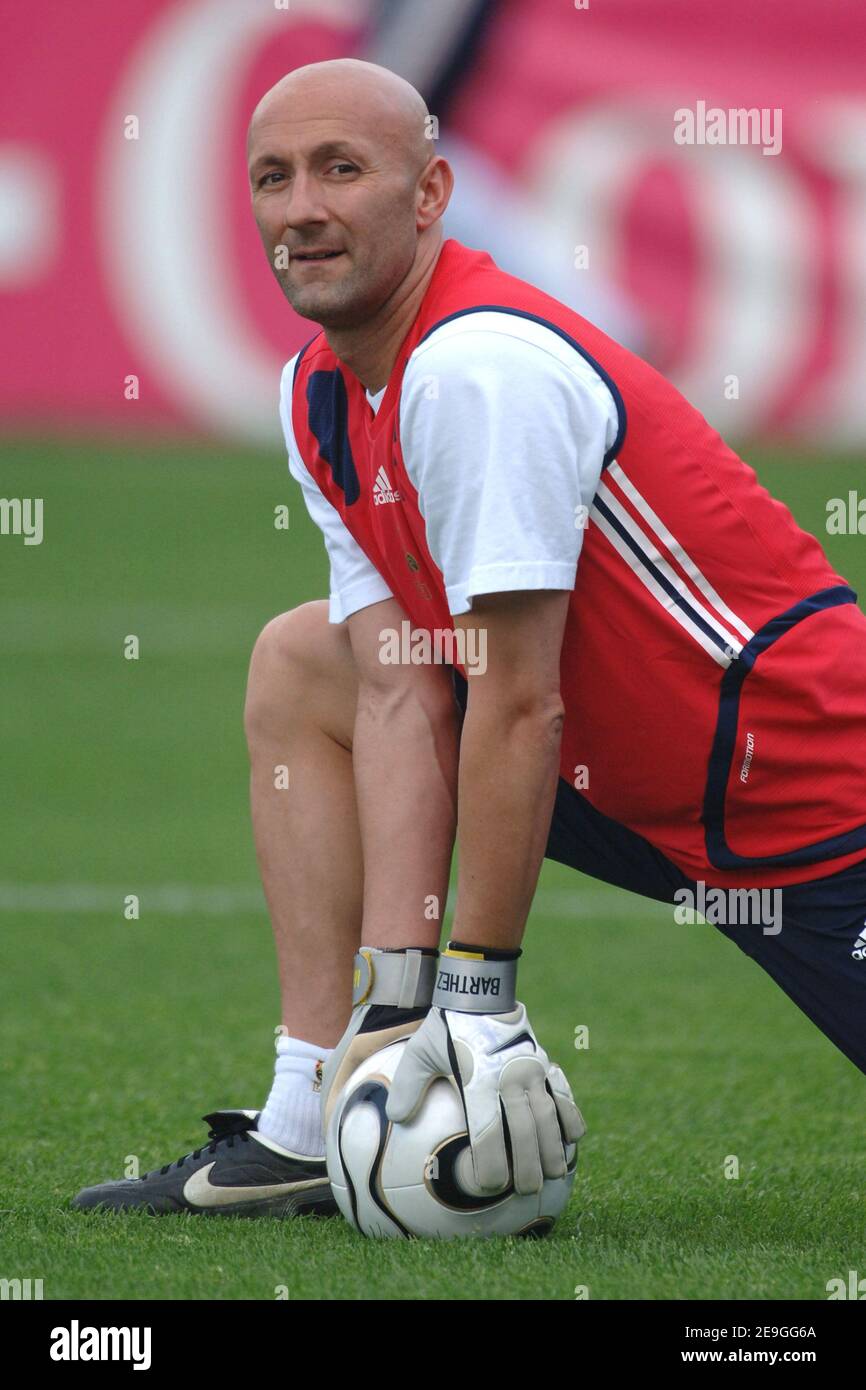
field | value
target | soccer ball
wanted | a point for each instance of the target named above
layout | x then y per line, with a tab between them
415	1178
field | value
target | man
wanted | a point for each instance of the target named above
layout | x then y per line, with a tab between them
663	679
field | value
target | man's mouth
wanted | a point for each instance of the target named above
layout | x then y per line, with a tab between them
315	255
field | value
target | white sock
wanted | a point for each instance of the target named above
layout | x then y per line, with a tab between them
292	1116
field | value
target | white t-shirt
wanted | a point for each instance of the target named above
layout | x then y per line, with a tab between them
504	427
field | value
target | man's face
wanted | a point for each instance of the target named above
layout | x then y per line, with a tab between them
320	186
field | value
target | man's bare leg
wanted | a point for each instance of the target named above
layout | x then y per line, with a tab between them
300	713
306	697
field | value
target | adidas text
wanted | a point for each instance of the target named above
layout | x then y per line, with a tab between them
383	491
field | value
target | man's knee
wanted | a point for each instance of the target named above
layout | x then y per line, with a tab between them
298	657
291	637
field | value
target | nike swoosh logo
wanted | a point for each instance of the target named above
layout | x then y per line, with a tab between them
199	1191
512	1042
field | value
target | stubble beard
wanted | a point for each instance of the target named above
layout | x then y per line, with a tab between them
331	306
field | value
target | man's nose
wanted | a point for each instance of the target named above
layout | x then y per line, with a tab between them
303	201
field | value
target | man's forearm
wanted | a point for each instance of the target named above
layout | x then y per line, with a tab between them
405	759
509	766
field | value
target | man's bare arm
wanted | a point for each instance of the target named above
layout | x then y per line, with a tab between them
509	763
519	1110
405	753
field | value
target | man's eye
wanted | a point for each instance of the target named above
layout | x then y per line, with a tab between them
275	173
351	167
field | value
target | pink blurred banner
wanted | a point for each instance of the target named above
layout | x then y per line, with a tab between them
695	170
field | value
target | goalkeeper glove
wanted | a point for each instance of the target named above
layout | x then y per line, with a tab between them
390	996
513	1096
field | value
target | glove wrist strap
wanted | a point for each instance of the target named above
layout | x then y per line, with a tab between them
402	979
468	983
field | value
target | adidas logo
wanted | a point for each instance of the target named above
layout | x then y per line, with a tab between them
859	952
383	491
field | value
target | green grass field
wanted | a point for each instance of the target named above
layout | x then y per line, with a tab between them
129	777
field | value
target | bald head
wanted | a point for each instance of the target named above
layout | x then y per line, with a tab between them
378	103
347	187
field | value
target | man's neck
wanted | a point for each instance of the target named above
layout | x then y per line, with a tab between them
370	351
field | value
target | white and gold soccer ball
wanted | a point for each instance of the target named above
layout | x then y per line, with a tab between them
416	1178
